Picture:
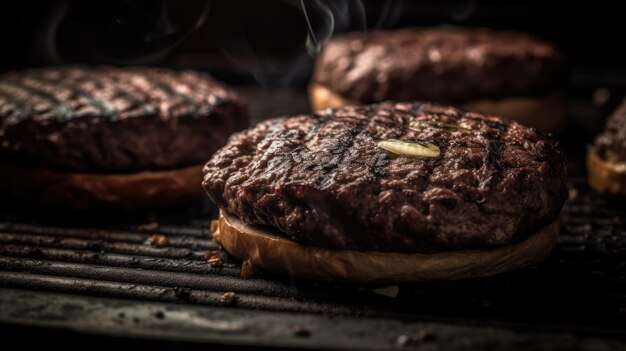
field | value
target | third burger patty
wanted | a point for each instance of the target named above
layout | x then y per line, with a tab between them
114	120
330	179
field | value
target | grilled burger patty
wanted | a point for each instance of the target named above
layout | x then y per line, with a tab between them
114	120
438	64
323	179
611	143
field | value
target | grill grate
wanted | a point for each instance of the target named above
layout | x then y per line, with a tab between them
580	288
103	276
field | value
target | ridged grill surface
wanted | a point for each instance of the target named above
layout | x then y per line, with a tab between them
582	285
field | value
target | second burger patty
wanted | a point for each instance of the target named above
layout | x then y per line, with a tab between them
323	180
114	120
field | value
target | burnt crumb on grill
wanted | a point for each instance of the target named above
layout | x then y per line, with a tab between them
121	315
136	320
214	259
248	270
159	314
182	294
301	331
148	227
228	298
158	240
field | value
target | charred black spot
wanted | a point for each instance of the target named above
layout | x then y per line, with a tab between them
35	253
449	203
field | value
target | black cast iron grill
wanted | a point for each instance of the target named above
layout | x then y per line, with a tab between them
104	277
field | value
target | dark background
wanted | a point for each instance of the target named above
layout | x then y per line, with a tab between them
264	42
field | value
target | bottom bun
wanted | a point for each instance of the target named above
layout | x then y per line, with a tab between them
263	248
605	177
546	112
321	98
85	191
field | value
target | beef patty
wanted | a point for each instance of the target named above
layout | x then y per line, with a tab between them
323	179
611	143
453	65
114	120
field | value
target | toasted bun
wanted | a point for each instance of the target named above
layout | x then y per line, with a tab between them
546	112
604	176
276	254
321	98
84	191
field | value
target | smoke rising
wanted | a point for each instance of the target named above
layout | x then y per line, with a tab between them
333	16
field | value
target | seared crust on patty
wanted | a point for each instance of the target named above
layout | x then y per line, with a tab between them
323	180
114	120
443	64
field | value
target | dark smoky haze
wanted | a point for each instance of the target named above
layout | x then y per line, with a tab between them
273	43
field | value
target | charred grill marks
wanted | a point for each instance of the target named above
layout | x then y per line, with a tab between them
364	199
113	120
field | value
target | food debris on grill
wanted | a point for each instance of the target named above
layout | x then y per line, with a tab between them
159	315
228	298
248	269
573	193
148	227
158	240
214	259
301	331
